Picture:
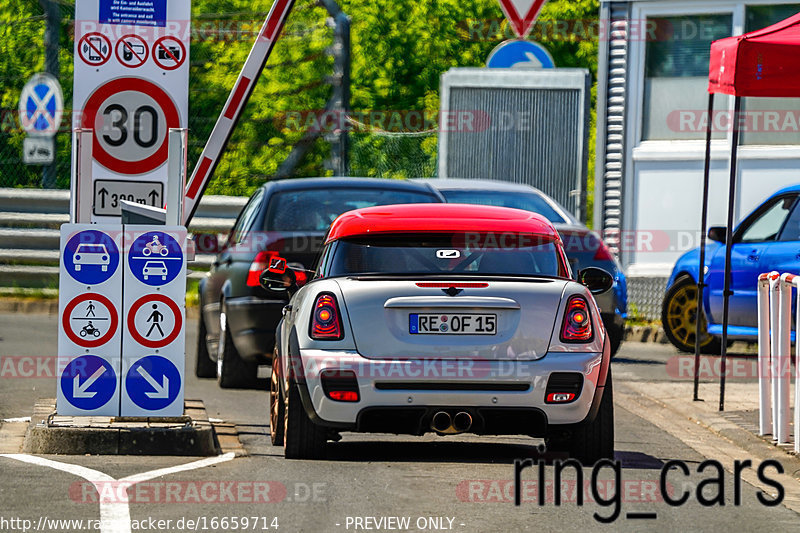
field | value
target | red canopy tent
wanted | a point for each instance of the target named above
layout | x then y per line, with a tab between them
760	63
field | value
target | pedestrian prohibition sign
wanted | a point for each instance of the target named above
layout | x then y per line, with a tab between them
154	321
88	382
90	320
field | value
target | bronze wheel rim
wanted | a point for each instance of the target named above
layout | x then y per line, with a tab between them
274	398
682	316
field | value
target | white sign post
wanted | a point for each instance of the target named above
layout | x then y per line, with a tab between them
90	300
154	344
131	87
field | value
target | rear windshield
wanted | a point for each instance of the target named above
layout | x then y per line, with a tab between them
517	200
487	254
316	209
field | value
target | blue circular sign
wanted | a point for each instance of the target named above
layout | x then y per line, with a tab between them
520	54
155	258
91	257
88	382
153	382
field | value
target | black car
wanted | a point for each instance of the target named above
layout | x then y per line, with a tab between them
286	218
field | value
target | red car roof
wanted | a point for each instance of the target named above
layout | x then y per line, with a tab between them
438	218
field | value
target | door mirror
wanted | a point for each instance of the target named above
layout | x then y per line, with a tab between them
277	277
718	233
596	279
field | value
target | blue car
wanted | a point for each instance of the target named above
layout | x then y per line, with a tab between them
583	246
767	239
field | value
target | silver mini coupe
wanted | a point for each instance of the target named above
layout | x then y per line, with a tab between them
447	319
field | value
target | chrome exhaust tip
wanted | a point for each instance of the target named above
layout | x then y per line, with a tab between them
441	422
462	421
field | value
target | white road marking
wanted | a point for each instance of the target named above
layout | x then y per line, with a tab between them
17	420
115	517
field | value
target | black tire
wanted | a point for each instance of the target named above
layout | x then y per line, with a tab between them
277	407
593	441
302	438
204	366
232	371
678	315
615	336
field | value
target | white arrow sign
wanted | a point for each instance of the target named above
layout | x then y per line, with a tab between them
162	391
79	391
522	14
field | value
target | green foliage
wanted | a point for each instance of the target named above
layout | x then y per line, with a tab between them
400	48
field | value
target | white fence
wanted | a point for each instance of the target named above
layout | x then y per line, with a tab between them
774	357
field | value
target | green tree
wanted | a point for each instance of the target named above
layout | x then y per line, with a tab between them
400	48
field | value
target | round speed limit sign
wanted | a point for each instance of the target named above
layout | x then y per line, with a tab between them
131	118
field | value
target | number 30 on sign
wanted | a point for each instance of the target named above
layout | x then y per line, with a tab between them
131	118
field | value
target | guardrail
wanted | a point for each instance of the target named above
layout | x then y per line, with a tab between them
29	232
774	357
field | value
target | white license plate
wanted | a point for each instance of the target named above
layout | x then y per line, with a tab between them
452	324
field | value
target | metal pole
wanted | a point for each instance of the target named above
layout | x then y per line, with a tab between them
52	12
341	87
701	272
176	175
737	106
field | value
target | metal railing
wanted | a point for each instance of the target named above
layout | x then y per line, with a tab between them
29	232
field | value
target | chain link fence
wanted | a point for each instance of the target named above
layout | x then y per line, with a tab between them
384	154
22	34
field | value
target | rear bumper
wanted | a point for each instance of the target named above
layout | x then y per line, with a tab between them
400	396
252	322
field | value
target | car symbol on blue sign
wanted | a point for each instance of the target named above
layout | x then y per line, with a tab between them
153	382
88	382
155	258
91	257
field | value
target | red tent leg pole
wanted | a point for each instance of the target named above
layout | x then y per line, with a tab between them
701	273
728	248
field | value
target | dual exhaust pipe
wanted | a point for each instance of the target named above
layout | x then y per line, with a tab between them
445	424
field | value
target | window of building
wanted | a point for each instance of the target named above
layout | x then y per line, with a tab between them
770	120
676	75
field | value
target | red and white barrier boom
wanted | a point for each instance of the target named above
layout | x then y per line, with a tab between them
238	98
774	356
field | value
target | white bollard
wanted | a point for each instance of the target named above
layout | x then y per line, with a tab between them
764	353
783	357
774	320
797	371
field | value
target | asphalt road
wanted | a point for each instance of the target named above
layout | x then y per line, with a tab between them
457	483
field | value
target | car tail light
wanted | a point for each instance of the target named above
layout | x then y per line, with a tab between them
560	397
577	321
258	265
301	277
326	323
603	253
